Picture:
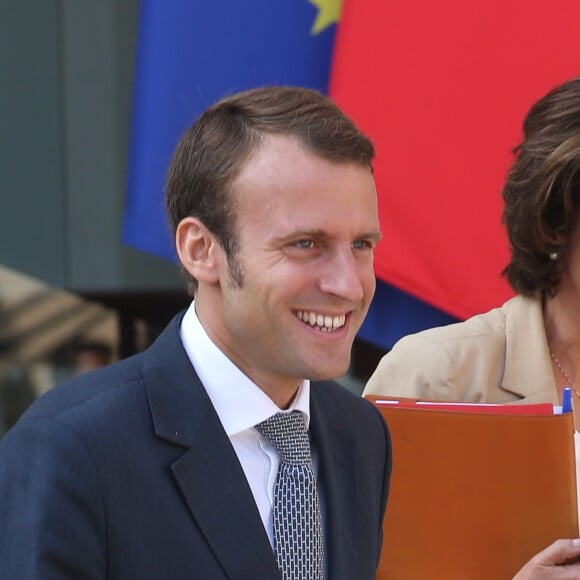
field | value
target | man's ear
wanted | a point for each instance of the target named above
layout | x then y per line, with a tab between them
198	250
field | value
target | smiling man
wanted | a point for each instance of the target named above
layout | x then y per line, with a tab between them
224	450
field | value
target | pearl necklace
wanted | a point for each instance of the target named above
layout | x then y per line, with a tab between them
557	363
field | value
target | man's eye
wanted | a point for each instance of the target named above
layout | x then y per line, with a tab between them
362	244
304	244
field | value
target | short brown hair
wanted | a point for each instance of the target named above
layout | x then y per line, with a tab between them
212	151
542	191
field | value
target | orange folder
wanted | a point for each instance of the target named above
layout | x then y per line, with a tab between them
474	495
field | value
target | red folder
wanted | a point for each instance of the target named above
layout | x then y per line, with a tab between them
475	494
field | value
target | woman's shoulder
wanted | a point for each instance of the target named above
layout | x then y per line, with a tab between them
439	361
492	323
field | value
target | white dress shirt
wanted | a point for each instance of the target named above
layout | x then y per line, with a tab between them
241	405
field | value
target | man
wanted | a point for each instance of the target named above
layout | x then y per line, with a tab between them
166	465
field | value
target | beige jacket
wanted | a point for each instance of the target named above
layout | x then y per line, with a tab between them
497	357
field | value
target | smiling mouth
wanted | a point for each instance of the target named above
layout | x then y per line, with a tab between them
320	321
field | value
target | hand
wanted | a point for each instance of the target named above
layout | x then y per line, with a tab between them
559	561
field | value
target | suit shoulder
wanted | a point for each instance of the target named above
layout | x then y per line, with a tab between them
334	391
91	391
430	363
350	407
461	361
490	323
475	332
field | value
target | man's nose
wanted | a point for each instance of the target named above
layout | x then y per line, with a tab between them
342	276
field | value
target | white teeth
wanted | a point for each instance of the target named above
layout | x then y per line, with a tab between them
324	323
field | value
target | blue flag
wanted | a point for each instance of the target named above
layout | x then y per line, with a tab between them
192	53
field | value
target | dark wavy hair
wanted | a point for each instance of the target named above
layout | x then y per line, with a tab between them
542	191
212	151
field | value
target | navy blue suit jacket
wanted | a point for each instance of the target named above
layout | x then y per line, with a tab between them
126	473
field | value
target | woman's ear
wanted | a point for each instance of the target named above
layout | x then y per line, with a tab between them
558	239
198	250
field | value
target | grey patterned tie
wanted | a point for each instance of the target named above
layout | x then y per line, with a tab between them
298	535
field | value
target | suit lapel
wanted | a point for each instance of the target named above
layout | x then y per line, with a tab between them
332	444
208	474
215	489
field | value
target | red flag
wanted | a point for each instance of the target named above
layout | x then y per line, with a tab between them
442	89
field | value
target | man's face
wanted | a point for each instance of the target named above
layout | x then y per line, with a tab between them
306	230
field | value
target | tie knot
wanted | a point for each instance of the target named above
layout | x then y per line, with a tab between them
287	433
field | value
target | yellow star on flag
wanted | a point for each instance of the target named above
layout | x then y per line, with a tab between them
328	13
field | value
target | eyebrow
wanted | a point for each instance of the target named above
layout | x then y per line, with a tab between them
374	235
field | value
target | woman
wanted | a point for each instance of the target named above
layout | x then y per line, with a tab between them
529	348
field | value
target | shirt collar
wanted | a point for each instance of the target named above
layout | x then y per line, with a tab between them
238	401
